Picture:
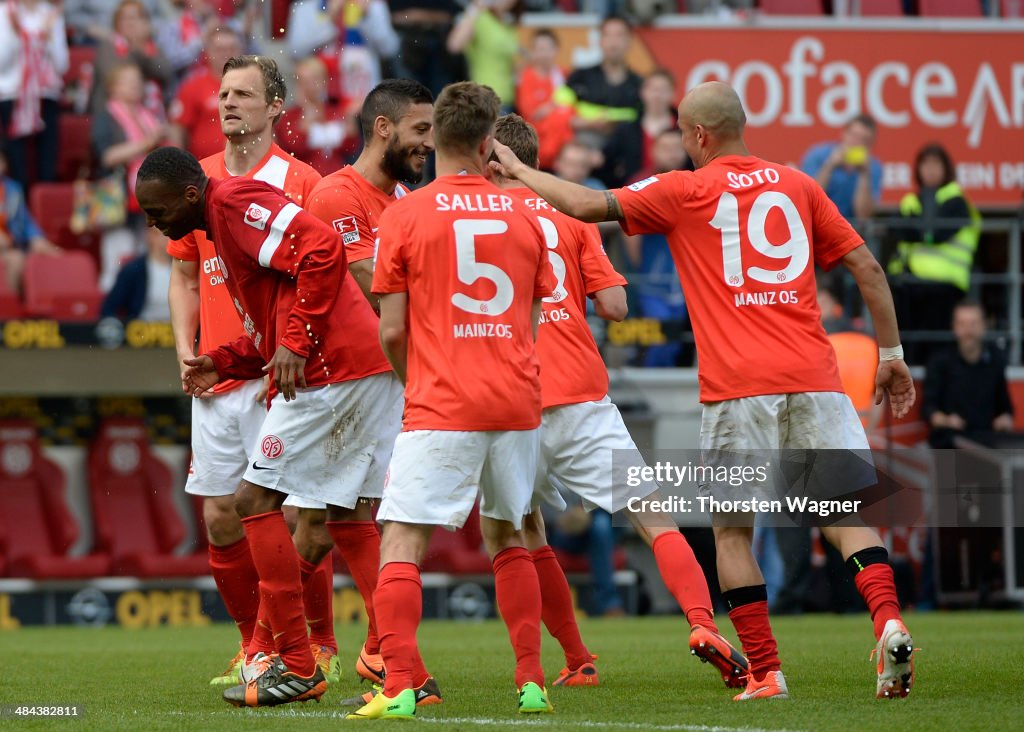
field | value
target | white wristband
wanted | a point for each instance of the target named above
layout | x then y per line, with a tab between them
890	354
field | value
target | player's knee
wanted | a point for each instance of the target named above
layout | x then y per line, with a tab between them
499	536
534	535
253	500
223	525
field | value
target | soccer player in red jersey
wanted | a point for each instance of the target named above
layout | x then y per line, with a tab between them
226	421
461	269
330	427
396	125
581	428
745	235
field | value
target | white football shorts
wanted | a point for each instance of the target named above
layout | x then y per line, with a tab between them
330	444
585	448
435	476
225	428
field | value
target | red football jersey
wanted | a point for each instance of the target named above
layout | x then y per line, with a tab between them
218	318
745	235
472	259
289	281
352	205
571	367
195	109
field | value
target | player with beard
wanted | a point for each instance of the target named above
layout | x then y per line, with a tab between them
396	126
225	422
396	121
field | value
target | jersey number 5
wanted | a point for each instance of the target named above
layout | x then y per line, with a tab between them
796	250
469	270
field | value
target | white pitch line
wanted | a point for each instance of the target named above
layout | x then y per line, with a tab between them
545	721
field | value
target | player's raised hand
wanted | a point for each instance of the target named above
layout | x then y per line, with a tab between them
199	376
894	378
507	164
289	371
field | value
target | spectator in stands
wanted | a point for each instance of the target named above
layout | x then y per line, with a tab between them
92	21
423	27
535	96
833	317
123	133
486	33
195	121
351	38
132	40
576	162
938	238
140	290
316	129
849	173
608	94
33	59
965	389
183	30
19	232
653	273
629	149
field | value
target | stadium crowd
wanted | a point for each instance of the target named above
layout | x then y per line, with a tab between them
102	84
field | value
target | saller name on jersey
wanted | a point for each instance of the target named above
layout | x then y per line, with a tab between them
473	202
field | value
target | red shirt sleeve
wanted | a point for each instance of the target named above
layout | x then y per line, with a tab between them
831	234
185	248
290	240
389	273
343	211
651	205
598	272
238	359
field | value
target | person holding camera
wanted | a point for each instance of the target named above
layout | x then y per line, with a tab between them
849	173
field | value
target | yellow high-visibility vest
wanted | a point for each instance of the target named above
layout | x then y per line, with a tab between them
948	261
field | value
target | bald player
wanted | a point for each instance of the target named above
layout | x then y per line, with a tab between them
745	235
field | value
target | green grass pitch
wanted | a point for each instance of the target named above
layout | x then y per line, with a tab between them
157	679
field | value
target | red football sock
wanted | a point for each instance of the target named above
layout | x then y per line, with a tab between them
517	591
399	607
557	610
262	637
359	544
277	562
755	632
238	583
318	600
684	578
876	585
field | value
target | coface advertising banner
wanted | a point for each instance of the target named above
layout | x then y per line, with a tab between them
962	89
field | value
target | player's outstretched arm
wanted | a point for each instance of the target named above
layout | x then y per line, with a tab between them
578	201
893	376
362	273
394	338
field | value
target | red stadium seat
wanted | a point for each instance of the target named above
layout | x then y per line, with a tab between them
10	302
37	527
75	149
792	7
51	205
1013	8
80	75
134	516
881	8
61	287
949	8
